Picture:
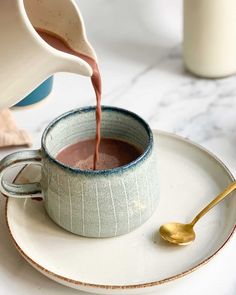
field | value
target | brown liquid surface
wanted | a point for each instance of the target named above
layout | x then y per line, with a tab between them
60	44
112	153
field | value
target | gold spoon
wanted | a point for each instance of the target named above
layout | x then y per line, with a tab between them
183	234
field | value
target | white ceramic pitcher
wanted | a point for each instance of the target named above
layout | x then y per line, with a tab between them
26	60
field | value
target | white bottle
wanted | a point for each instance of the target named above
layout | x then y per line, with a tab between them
209	47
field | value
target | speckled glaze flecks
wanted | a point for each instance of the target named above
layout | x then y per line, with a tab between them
100	203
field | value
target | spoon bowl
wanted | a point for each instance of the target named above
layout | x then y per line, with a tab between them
177	233
183	234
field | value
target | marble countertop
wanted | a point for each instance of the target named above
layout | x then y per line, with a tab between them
139	48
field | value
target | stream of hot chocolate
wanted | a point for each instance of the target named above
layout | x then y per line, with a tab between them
97	85
59	43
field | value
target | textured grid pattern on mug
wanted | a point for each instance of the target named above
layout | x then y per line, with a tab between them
103	205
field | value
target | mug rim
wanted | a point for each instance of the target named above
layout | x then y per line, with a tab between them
119	169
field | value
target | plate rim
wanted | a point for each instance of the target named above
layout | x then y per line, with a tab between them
67	280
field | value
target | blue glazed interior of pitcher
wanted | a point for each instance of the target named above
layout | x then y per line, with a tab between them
40	93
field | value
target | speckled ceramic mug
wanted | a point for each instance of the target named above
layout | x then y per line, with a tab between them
102	203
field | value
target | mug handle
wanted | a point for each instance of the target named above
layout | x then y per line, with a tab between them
13	160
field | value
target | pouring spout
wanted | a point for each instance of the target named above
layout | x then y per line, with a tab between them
72	64
62	19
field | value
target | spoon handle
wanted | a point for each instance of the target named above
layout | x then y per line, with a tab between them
214	202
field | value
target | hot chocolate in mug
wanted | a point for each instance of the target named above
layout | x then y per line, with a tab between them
92	203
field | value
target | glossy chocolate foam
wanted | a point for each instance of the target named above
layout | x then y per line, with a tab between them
112	154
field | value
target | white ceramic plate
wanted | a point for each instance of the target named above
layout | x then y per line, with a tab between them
139	261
